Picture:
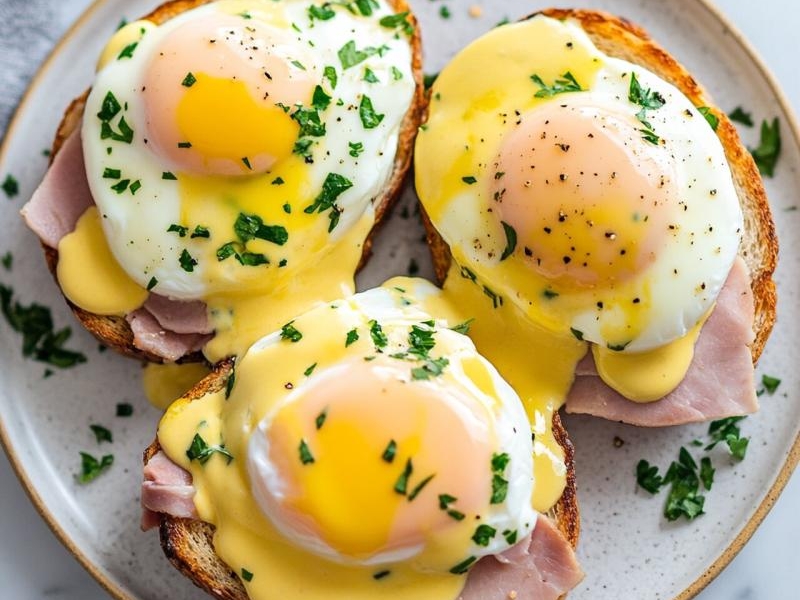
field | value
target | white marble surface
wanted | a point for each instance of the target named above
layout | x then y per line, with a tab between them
34	565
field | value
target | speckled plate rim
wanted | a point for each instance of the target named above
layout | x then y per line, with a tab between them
713	570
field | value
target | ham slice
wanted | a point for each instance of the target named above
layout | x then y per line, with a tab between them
62	197
718	384
150	336
179	316
166	328
543	566
167	488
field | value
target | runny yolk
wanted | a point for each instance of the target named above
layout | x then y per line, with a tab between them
588	198
354	447
216	95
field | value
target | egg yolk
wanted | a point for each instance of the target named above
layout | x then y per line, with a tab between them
216	95
588	197
363	455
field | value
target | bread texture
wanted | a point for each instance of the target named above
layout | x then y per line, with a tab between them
619	38
188	543
115	332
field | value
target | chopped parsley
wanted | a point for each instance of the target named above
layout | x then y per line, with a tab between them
189	80
333	186
420	486
400	20
10	186
169	176
124	409
510	536
127	51
369	118
321	13
739	115
187	262
101	433
121	186
200	232
298	64
483	535
309	371
727	430
463	566
463	328
278	181
135	186
769	149
577	333
381	574
111	173
562	85
248	227
320	100
39	340
305	453
469	179
91	467
184	144
379	338
309	120
352	336
429	79
179	229
350	56
109	109
369	76
330	74
397	74
499	482
712	119
356	148
252	259
770	383
246	163
200	451
444	12
290	332
7	260
432	367
647	100
247	575
320	420
511	240
389	454
401	485
647	477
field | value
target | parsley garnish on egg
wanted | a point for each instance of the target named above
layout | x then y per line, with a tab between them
333	186
189	80
101	434
249	227
369	118
356	148
709	115
463	566
389	454
290	332
566	83
483	534
350	56
647	100
187	261
305	453
499	482
352	336
321	13
399	20
511	240
109	109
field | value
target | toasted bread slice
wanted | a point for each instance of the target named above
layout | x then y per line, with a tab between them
622	39
188	543
115	332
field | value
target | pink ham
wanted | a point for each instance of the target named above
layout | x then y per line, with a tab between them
62	197
718	384
179	316
168	489
150	336
540	567
166	328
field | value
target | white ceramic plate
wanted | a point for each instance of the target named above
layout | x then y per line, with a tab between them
627	549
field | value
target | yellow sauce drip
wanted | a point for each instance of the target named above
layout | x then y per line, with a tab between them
648	376
90	276
165	383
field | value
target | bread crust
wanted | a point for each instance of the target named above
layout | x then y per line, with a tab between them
620	38
115	332
189	543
